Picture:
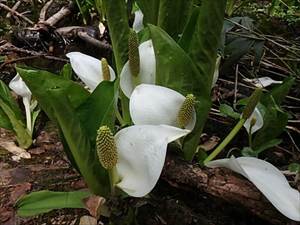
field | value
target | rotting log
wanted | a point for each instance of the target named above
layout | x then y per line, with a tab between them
221	183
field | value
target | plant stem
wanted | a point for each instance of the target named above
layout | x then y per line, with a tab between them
250	136
226	141
26	102
125	108
113	179
120	119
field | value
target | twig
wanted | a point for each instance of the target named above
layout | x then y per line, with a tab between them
84	36
44	11
235	85
63	12
16	13
14	8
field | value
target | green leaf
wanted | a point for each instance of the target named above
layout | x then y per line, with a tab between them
175	69
206	38
98	109
174	15
4	121
294	167
44	201
150	10
6	96
268	144
40	81
22	134
275	121
247	151
279	92
228	111
78	141
185	40
116	13
67	71
235	50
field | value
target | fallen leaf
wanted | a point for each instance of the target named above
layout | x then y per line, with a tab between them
88	220
93	204
17	152
210	144
19	190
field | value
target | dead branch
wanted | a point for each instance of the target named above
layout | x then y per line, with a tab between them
44	11
13	12
84	36
222	184
14	8
63	12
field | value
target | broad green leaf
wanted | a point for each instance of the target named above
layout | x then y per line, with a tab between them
185	40
40	81
275	121
279	92
234	50
22	134
206	37
228	111
78	141
98	109
150	10
174	68
117	19
267	145
44	201
174	15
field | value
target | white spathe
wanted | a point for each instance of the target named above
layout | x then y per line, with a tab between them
20	88
147	69
262	81
141	156
269	180
138	25
258	124
155	105
88	69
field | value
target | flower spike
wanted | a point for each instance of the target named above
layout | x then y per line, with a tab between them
106	147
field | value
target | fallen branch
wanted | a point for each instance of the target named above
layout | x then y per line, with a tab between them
222	184
13	12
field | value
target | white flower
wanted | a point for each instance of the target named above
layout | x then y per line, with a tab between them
147	69
20	88
153	104
262	81
141	156
138	21
88	69
269	180
259	122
